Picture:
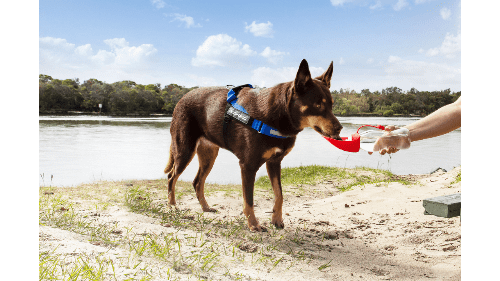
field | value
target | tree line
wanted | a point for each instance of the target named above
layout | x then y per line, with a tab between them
127	97
391	101
119	98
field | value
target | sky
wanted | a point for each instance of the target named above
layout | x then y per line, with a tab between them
374	44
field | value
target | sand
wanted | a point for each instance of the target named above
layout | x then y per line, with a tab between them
372	232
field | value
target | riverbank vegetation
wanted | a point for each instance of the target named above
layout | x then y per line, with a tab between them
129	98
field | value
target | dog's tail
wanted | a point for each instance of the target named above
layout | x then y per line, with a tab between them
170	163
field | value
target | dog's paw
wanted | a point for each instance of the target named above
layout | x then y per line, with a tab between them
257	228
171	207
171	201
211	210
278	224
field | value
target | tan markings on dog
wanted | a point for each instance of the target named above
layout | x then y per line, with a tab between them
277	218
303	108
171	189
253	223
311	121
271	152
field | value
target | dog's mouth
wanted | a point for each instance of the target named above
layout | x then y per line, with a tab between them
335	137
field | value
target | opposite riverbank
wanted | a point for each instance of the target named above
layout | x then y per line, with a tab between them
340	224
143	114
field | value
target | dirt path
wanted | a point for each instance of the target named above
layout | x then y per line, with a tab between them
372	232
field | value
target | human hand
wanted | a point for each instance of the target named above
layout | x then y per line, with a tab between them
386	144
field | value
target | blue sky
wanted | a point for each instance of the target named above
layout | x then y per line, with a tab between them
374	44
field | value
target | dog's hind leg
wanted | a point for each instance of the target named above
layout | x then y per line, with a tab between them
274	172
207	152
170	163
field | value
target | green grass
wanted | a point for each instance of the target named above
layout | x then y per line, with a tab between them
58	212
458	178
346	178
305	175
84	267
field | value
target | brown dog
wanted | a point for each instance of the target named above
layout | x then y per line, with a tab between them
197	127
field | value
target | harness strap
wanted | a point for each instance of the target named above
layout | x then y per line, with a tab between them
236	111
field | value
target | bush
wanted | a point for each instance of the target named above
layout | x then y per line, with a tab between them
388	113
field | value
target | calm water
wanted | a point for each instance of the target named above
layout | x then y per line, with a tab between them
78	149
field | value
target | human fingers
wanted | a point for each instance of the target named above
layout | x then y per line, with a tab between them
391	128
392	150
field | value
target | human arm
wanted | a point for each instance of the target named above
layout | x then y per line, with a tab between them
440	122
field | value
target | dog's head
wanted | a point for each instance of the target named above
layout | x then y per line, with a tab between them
311	103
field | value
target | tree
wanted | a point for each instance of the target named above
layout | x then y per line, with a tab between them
154	87
71	83
44	78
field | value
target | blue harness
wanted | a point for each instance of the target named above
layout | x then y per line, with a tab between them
236	111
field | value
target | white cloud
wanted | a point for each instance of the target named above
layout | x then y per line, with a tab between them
370	61
103	57
125	55
339	2
268	77
449	48
221	50
59	58
376	6
445	13
49	43
116	43
158	3
273	56
393	59
341	62
188	21
84	50
400	5
422	74
260	29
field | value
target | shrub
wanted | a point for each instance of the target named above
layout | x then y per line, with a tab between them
388	113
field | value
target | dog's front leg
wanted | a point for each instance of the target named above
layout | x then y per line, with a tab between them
247	183
274	173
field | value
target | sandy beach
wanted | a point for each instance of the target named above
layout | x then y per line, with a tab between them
375	231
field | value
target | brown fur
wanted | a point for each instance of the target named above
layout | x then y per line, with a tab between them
289	107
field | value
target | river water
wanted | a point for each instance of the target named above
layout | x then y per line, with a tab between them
80	149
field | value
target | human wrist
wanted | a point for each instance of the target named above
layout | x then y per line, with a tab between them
411	133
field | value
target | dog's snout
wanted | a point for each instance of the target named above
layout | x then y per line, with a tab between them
336	131
337	127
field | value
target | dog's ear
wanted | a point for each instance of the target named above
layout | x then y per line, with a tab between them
303	76
327	76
